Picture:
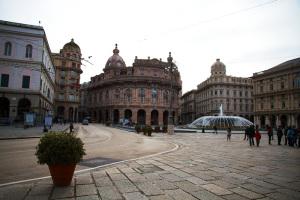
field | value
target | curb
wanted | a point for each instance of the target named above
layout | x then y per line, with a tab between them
28	137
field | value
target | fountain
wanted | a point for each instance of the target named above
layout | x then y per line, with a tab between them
221	121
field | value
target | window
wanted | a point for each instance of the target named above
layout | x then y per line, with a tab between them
25	81
28	51
41	84
142	94
271	87
241	93
7	49
261	88
74	65
282	85
48	93
4	80
296	82
154	93
166	96
117	94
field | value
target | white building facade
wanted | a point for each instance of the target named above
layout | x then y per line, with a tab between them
27	73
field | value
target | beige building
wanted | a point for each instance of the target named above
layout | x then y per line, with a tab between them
233	93
277	95
27	73
140	93
68	69
188	107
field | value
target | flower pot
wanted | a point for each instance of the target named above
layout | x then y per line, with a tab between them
62	174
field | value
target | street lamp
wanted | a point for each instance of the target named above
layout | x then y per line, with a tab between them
170	120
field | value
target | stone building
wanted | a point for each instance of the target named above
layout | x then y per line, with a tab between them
26	71
233	93
139	94
277	95
188	107
68	69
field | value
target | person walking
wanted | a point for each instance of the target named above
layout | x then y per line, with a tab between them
251	133
279	134
270	133
246	133
71	127
215	129
228	133
257	136
298	132
285	135
290	136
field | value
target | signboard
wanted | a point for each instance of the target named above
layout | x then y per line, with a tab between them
29	119
48	120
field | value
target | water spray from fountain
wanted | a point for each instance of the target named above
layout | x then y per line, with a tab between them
221	121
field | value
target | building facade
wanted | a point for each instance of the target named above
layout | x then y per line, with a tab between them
68	69
26	71
277	95
233	93
188	107
144	93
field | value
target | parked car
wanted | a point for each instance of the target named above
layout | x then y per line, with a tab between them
85	122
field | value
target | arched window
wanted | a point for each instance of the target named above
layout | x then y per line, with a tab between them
28	51
7	49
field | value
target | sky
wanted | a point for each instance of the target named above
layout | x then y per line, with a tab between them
247	35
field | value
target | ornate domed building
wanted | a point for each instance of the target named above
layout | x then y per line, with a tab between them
140	93
68	70
233	93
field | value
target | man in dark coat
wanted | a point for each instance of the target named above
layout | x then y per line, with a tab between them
279	134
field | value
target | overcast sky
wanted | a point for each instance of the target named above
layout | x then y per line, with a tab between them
247	35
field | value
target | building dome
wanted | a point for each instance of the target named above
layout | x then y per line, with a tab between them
71	46
218	68
115	60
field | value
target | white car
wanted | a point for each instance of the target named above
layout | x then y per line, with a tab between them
85	122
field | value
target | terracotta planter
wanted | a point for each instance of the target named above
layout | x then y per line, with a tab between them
62	174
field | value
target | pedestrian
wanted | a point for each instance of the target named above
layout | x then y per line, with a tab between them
285	135
298	132
295	136
279	134
246	133
290	136
215	129
270	133
257	135
228	133
251	133
71	127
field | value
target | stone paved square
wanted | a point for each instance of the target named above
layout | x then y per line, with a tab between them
204	167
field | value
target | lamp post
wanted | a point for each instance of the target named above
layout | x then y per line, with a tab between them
170	120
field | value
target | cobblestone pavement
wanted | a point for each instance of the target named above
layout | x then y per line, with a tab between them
205	167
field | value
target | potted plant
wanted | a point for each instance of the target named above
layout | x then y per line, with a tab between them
61	151
147	130
138	129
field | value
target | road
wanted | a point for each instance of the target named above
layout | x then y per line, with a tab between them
103	145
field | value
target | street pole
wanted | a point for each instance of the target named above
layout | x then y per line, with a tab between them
170	121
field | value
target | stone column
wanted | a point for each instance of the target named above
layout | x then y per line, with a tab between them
160	117
277	121
268	122
134	116
148	116
121	113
